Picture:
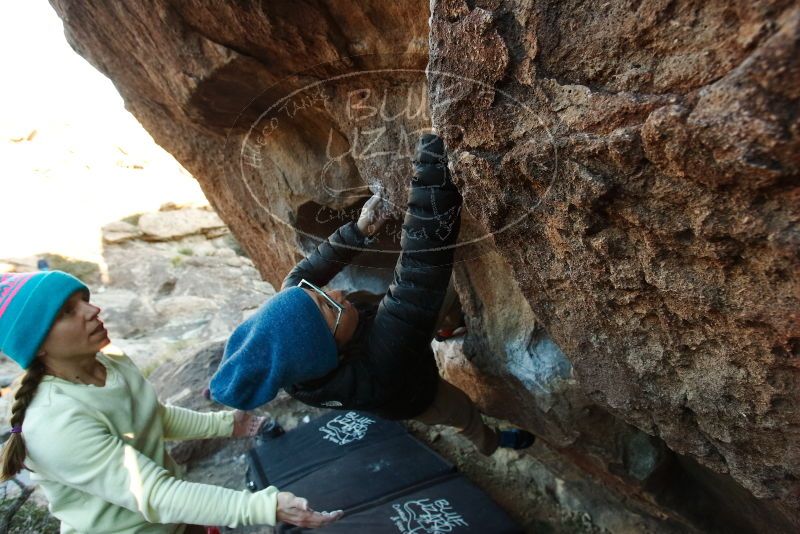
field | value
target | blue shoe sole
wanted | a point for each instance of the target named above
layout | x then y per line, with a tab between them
516	439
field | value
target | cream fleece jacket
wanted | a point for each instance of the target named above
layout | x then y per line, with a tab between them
98	453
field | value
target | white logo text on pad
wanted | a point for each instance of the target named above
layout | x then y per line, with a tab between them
346	428
422	516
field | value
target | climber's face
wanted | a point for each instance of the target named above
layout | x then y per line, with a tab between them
348	319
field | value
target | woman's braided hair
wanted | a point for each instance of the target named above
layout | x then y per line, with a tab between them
14	451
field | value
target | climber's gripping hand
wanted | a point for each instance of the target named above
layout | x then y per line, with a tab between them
373	214
430	163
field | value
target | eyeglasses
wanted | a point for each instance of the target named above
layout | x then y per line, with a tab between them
338	308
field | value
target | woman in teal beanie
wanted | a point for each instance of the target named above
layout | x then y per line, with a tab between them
94	430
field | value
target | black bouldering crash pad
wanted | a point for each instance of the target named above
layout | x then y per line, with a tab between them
382	477
282	460
453	505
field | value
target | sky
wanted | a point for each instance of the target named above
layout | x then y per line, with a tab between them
72	158
38	63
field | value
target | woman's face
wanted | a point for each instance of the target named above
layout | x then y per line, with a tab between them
76	331
348	321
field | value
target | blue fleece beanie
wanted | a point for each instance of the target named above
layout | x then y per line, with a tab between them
285	342
29	303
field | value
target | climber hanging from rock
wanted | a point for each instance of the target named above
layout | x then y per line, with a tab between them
329	352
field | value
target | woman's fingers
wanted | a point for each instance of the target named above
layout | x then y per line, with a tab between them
310	519
302	504
256	424
295	510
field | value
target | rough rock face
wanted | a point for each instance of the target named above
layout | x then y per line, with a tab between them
630	173
660	246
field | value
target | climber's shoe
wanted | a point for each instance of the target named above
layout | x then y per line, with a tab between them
447	333
515	438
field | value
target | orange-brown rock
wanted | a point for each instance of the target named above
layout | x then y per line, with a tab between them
630	173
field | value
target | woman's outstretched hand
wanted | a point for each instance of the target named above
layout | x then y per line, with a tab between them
294	510
373	215
246	425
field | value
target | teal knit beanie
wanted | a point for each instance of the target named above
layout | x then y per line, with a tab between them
29	303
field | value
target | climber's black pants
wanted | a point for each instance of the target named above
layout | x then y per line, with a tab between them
452	407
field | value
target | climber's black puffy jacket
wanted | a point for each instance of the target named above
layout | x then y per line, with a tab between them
388	366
